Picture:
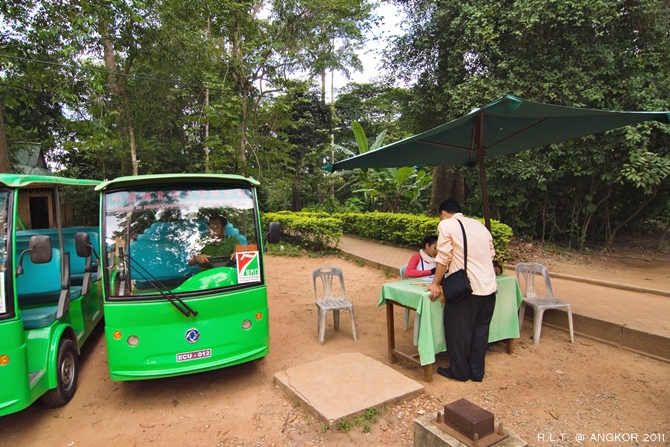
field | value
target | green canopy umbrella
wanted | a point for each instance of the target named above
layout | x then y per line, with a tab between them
505	126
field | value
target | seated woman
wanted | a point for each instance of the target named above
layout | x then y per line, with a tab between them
423	262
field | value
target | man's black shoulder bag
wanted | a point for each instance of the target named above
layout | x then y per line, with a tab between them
456	286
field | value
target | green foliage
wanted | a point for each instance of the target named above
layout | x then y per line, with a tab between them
369	416
400	229
196	82
377	108
343	425
198	105
361	139
319	230
409	230
583	53
284	248
391	189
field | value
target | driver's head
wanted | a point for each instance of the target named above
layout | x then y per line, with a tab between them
217	225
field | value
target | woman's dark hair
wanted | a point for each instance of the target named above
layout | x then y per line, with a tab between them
428	240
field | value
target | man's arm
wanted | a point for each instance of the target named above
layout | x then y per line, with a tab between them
434	287
442	260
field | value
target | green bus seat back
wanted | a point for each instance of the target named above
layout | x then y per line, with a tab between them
77	263
38	317
39	283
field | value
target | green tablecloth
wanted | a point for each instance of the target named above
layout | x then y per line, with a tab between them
412	293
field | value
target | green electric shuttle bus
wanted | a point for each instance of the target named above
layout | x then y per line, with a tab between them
50	295
184	288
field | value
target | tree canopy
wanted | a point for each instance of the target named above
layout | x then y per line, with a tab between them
581	53
124	87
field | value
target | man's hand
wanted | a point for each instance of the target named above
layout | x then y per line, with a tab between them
435	287
435	291
200	259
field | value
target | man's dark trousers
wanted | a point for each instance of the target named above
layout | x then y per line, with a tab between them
466	329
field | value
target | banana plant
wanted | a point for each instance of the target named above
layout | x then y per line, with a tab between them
388	189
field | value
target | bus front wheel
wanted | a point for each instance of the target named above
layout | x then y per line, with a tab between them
67	373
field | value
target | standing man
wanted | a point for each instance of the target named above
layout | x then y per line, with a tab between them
466	323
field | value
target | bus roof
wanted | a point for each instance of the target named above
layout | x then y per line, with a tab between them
154	179
23	181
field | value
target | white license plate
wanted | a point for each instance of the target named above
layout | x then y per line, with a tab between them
194	355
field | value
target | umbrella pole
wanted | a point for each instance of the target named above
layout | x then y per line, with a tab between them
481	154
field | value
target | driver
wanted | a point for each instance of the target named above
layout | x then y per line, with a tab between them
218	245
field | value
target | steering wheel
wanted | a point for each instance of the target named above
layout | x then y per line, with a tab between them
221	261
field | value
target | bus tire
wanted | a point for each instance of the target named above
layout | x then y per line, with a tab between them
67	371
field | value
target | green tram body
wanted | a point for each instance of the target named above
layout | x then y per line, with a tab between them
164	317
50	296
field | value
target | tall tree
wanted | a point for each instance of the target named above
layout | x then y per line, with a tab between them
117	80
307	136
177	77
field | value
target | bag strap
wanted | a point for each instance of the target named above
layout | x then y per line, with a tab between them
465	248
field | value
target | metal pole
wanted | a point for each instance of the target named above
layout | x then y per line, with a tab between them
481	155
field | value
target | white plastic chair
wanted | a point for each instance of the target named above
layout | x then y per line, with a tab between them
328	302
528	270
417	317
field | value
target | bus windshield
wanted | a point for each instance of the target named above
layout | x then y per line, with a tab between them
181	240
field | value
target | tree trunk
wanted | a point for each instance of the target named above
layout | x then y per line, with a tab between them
243	128
323	86
332	128
206	142
242	84
441	188
5	164
117	88
131	137
296	205
206	139
610	239
458	187
446	185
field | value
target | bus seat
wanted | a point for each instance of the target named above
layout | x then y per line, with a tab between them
173	230
77	263
39	283
232	231
162	250
38	317
164	260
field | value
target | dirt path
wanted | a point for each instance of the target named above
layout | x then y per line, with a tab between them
547	394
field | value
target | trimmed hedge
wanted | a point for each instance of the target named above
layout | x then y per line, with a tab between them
319	230
325	229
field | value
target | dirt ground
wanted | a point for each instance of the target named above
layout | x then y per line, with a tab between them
549	395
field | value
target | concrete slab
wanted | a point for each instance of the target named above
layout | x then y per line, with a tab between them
345	385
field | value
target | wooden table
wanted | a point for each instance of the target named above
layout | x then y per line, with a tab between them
412	294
